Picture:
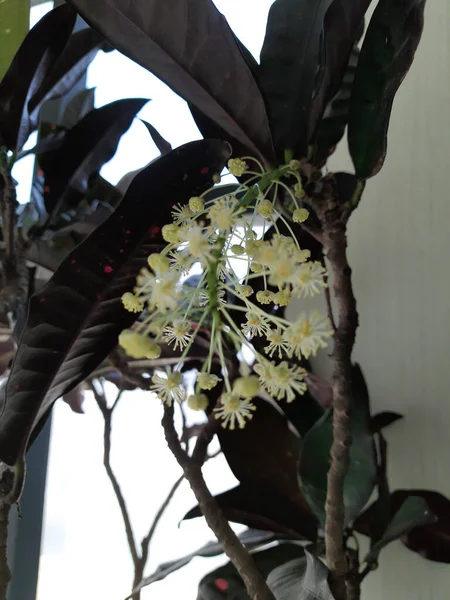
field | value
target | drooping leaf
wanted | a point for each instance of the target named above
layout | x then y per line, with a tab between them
85	149
177	40
251	538
78	107
290	58
315	456
301	579
75	319
386	55
343	26
261	507
430	532
32	63
80	51
412	513
331	128
225	583
163	146
384	419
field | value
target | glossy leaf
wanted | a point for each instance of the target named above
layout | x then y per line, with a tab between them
163	146
251	538
225	583
386	55
261	507
75	319
78	107
331	128
431	539
71	65
290	58
301	579
315	456
177	40
413	512
32	63
384	419
86	148
343	26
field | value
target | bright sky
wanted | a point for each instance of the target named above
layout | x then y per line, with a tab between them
84	553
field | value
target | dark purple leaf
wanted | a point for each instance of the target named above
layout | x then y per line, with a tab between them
263	508
31	65
384	419
85	149
163	146
74	321
179	41
386	55
71	65
78	107
431	539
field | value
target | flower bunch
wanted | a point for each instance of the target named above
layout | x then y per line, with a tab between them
221	237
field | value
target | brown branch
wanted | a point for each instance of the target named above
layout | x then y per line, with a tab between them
336	243
7	482
239	556
107	417
328	297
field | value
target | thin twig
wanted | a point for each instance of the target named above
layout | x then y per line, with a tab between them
239	556
107	417
344	338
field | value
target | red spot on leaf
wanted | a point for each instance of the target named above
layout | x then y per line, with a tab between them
46	188
155	230
128	231
222	584
204	170
120	216
108	269
16	387
185	177
78	270
41	300
40	173
228	75
73	261
121	250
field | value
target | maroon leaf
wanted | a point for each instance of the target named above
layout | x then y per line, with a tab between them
163	145
190	46
32	63
74	321
71	65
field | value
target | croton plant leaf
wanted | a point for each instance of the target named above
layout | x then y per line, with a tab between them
75	319
178	41
315	456
386	55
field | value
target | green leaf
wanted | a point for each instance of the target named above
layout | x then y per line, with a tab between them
31	65
251	538
304	55
225	583
178	41
75	319
301	579
14	24
315	456
431	538
386	55
412	513
331	129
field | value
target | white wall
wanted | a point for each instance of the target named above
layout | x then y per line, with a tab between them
399	240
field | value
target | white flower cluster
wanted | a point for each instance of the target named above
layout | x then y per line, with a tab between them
218	235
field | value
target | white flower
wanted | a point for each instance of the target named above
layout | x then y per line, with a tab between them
169	388
234	410
181	213
207	381
283	380
138	345
198	242
178	334
181	260
257	324
275	337
309	279
308	334
224	213
132	303
165	294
